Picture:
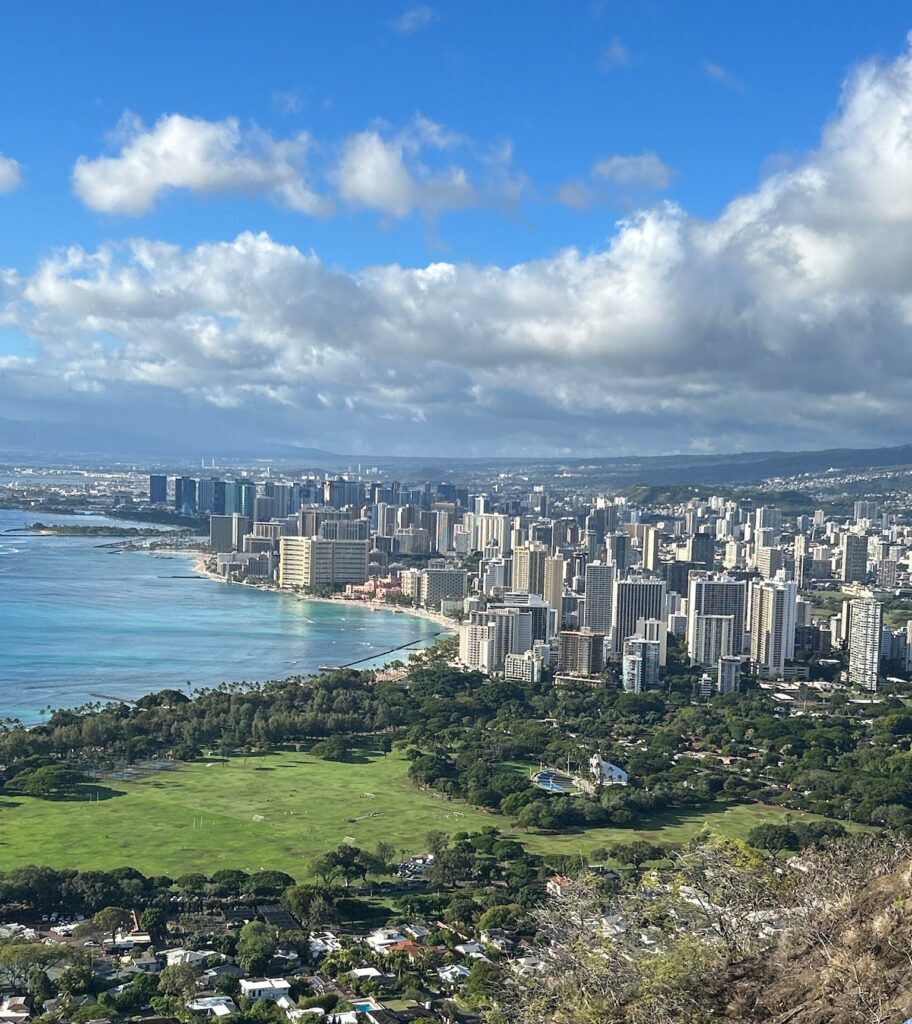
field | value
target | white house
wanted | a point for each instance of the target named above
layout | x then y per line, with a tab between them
212	1006
322	943
381	940
271	989
453	974
187	956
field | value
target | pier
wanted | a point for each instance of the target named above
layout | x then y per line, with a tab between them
380	654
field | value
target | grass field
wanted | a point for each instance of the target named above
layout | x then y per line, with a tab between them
278	811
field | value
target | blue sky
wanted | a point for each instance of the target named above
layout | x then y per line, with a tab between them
520	131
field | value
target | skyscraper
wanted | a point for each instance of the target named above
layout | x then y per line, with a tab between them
617	546
555	569
597	612
529	568
640	664
865	628
713	596
651	548
185	495
638	597
854	549
158	489
773	626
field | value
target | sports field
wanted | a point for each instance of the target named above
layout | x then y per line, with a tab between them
277	811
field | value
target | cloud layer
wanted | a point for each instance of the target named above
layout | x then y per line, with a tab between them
786	321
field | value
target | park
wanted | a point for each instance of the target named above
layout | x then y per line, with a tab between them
280	810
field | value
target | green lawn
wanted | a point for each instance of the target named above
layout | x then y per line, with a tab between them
277	811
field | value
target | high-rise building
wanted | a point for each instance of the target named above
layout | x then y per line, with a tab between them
488	527
245	497
619	551
210	497
640	664
580	652
597	612
728	678
701	549
158	489
490	635
240	527
447	584
220	533
865	629
185	495
651	548
854	549
555	569
865	510
313	562
773	626
712	638
769	561
716	595
529	568
635	598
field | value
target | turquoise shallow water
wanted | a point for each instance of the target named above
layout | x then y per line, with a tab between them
77	620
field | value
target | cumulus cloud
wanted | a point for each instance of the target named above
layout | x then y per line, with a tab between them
205	157
10	174
394	173
786	321
617	180
415	19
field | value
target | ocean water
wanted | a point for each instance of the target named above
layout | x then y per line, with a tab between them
77	620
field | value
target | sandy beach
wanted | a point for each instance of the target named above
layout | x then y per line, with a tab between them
199	567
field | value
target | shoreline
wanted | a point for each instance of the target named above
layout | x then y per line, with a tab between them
199	567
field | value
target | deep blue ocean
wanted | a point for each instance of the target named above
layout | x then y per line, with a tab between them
77	620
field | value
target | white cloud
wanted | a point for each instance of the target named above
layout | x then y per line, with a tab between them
400	173
645	169
205	157
716	73
786	321
614	55
619	181
415	19
10	174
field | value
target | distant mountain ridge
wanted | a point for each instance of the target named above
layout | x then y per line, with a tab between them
45	441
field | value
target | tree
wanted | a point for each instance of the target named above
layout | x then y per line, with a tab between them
267	883
39	986
75	980
19	959
773	838
481	984
255	947
47	783
309	904
636	852
111	919
153	920
437	841
386	856
327	867
178	980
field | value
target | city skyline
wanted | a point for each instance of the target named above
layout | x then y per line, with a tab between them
679	240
